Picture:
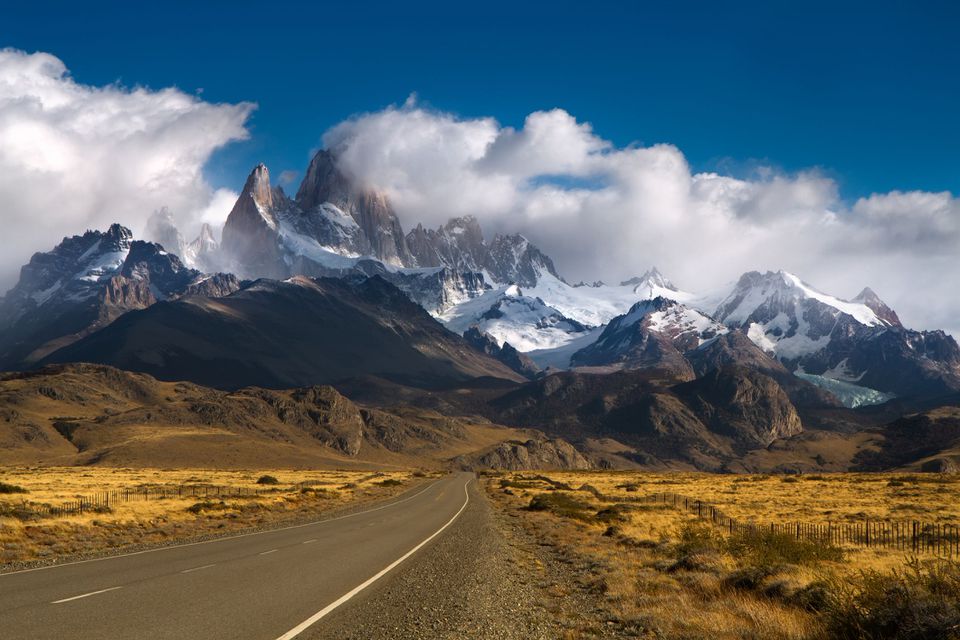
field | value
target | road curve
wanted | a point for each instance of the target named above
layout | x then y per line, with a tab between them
269	585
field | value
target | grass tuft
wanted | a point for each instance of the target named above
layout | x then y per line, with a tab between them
11	488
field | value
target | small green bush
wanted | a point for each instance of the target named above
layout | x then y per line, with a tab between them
267	480
11	488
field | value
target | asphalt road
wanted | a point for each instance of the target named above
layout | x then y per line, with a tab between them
268	585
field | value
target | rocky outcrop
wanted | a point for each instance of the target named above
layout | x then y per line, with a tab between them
217	285
532	455
514	260
931	436
941	465
743	404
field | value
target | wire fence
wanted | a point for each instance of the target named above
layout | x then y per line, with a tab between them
912	535
103	501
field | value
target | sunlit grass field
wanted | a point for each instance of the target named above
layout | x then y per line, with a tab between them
287	495
671	575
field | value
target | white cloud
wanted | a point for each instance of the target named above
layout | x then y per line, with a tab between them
607	212
74	156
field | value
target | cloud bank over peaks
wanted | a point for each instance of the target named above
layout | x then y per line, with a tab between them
603	211
74	156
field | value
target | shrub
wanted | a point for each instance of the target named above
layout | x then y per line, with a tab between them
11	488
267	480
696	537
613	513
813	597
697	549
389	482
561	504
914	603
206	505
766	548
752	577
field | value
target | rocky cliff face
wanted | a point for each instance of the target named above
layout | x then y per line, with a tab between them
707	422
543	454
382	236
251	240
336	226
741	403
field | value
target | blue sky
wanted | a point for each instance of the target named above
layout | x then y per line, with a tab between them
867	92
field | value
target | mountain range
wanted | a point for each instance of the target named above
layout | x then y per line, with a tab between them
327	288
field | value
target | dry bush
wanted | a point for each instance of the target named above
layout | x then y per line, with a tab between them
917	602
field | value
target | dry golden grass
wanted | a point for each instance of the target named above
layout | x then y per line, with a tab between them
654	584
822	498
154	521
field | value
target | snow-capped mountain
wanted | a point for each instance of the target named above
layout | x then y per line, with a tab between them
334	227
652	334
860	341
786	316
510	316
85	283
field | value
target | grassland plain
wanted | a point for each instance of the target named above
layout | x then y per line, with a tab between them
664	573
276	496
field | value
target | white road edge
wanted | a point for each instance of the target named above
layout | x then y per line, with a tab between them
303	626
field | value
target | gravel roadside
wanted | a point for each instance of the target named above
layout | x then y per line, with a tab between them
481	579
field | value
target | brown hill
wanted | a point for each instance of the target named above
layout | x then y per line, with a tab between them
91	414
286	334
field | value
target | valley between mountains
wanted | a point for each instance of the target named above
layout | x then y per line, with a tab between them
311	423
313	327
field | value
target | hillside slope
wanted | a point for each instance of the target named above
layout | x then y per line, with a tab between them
92	414
286	334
